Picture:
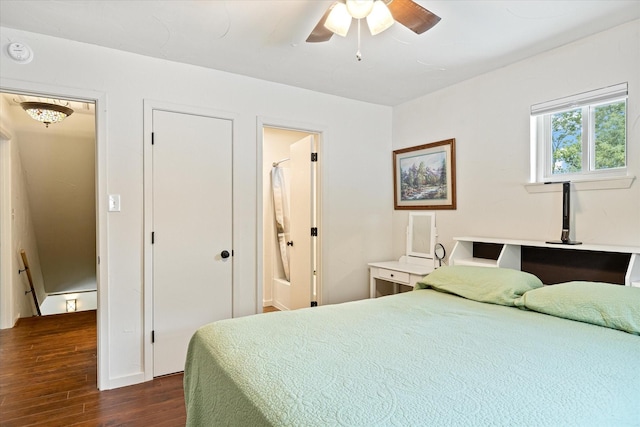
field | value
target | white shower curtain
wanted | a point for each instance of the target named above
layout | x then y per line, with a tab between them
281	210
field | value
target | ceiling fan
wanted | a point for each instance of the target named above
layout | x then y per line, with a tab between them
380	15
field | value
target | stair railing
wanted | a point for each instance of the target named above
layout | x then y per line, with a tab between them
25	261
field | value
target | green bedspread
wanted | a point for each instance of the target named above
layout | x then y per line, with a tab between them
413	359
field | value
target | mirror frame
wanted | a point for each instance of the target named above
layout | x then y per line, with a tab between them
410	235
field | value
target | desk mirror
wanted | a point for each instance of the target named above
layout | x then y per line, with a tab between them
421	234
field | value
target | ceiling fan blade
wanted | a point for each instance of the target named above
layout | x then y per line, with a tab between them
412	15
321	33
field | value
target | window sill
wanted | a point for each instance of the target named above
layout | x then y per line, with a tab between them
587	184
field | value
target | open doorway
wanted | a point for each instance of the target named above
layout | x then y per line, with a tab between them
290	218
98	99
52	204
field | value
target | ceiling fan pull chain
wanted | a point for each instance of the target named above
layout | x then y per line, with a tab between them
358	54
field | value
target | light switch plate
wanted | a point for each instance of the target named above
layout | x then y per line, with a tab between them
114	203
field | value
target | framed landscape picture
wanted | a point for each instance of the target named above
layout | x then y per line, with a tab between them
424	177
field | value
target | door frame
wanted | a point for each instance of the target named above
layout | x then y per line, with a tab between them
311	128
149	105
6	236
102	244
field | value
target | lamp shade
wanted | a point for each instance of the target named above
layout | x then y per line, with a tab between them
359	8
45	112
380	18
338	20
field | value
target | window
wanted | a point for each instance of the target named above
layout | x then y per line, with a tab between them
580	136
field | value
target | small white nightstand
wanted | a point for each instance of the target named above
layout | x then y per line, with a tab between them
419	258
397	272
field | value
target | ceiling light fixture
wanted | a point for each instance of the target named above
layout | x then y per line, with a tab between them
45	112
378	16
339	20
359	8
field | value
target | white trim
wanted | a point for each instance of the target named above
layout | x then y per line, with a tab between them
149	106
102	244
126	380
633	272
582	185
7	319
610	93
535	155
312	128
541	135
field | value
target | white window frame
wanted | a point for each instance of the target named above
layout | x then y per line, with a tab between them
541	144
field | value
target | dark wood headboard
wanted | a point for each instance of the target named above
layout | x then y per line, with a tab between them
555	265
563	265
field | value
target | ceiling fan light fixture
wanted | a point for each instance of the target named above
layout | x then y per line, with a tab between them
380	14
339	20
359	8
380	18
45	112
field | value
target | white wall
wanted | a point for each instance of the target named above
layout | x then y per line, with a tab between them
357	192
16	232
61	192
23	237
57	304
489	118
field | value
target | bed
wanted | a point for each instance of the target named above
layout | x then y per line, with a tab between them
464	348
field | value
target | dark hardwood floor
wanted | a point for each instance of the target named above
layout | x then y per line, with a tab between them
48	378
48	375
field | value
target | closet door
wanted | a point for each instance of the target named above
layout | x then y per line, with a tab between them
302	253
192	229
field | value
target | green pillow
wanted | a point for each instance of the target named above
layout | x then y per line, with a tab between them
485	284
604	304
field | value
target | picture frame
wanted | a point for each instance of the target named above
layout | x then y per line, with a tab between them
424	177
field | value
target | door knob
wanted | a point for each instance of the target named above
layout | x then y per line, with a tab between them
224	254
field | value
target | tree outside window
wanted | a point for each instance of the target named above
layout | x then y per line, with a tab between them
590	138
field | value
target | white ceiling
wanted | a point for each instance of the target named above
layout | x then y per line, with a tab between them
266	38
80	123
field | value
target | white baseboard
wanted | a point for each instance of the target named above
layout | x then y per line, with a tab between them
124	381
280	307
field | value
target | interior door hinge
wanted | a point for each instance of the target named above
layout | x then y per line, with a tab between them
153	237
314	303
153	337
314	157
153	138
314	231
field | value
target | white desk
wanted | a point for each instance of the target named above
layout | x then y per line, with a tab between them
398	273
